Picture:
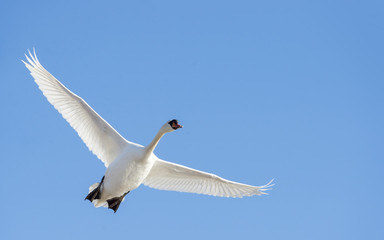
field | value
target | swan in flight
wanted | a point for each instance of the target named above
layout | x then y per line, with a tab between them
128	164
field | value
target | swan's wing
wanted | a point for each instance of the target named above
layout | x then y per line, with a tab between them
174	177
104	141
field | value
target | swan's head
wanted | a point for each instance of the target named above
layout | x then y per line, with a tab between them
170	126
174	124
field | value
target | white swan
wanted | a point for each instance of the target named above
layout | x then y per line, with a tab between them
128	164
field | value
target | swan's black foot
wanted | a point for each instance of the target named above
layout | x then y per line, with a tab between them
114	203
95	194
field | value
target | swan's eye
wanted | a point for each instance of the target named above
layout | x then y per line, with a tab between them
175	124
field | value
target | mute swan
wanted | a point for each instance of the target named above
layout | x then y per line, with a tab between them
128	164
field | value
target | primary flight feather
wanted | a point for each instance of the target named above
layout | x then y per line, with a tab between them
128	164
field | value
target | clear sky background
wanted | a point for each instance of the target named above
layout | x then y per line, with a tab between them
290	90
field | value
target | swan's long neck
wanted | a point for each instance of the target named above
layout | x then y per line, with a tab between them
155	141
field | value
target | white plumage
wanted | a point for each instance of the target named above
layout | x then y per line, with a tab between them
128	164
174	177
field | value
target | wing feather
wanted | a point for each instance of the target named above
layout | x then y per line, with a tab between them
174	177
104	141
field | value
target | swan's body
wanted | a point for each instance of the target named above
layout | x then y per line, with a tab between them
125	173
128	164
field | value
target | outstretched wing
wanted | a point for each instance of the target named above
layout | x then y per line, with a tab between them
104	141
174	177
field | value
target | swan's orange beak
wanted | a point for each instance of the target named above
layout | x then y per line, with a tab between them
175	125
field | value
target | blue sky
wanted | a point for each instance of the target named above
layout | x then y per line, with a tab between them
290	90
